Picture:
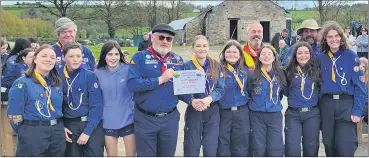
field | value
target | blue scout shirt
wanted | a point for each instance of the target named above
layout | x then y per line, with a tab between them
143	80
315	47
118	103
28	101
88	59
14	73
84	98
306	97
233	96
10	62
260	95
347	74
216	89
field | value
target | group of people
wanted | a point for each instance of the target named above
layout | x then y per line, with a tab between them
66	105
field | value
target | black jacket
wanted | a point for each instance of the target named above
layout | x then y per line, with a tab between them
144	45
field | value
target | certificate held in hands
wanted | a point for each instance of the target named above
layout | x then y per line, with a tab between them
188	82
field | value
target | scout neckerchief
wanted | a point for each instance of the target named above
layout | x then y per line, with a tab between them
241	85
250	56
205	70
60	46
161	60
42	81
334	67
270	80
73	77
303	77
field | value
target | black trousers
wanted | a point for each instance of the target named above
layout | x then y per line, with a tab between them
338	130
93	148
302	124
41	141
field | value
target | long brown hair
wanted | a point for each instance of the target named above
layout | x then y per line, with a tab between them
223	62
331	25
213	63
53	73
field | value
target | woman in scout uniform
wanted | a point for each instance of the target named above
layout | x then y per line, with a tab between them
342	98
265	86
112	72
35	108
302	118
82	106
234	114
202	118
19	45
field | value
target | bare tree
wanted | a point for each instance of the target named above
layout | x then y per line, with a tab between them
328	9
61	6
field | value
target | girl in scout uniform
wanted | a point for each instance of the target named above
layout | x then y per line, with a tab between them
364	78
342	98
302	118
202	118
265	86
234	114
112	72
35	108
82	106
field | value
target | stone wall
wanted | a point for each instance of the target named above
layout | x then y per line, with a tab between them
217	21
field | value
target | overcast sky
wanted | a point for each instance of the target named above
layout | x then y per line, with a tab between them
286	4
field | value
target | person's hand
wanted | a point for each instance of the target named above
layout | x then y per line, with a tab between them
198	105
83	139
207	101
355	119
67	131
166	76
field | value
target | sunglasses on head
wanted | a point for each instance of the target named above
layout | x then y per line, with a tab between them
161	38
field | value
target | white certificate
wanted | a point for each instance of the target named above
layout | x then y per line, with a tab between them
189	82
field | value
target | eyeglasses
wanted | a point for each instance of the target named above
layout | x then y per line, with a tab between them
169	39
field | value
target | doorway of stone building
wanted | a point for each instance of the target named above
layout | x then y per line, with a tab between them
266	30
233	28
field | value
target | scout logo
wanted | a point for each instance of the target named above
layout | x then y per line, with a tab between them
148	56
79	89
356	68
176	74
147	62
95	85
257	90
20	85
41	95
58	59
85	60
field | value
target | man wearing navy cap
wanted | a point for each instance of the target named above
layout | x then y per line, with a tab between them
156	116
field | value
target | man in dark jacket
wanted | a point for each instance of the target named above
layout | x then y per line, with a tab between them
145	43
278	36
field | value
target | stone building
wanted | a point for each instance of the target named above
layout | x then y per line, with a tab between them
229	20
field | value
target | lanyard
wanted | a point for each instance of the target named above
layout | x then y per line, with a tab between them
161	60
270	80
334	69
41	80
69	94
303	77
241	85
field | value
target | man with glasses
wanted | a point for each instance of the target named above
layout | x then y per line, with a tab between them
156	116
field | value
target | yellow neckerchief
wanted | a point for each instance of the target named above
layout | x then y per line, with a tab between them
266	75
249	57
41	80
66	72
197	64
231	69
302	77
333	74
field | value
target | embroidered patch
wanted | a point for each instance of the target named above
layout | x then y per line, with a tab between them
356	68
362	78
41	95
176	74
58	59
85	60
148	56
20	85
257	90
155	66
132	62
95	85
15	118
147	62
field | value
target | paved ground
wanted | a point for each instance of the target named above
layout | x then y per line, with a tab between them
185	52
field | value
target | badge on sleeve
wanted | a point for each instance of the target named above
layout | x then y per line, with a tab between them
356	68
132	62
95	85
20	85
148	56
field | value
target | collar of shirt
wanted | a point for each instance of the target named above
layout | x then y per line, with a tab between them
73	74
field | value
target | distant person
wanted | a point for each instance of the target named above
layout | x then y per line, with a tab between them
4	51
350	39
34	43
278	36
145	43
283	49
20	44
362	43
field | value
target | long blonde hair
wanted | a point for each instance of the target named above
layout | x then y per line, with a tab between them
213	63
365	62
